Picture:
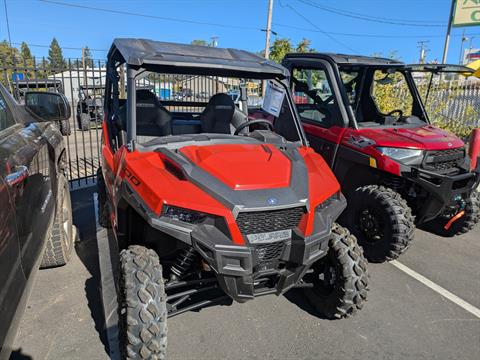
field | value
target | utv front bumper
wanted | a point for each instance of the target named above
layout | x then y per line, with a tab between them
441	189
245	272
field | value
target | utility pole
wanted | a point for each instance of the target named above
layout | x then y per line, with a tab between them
269	29
84	69
214	41
422	45
462	55
447	37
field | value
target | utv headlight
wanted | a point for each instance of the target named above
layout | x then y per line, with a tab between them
399	153
185	215
328	201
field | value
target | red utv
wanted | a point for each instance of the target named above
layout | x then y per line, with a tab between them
366	118
208	201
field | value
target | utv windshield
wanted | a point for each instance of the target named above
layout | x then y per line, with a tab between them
382	96
172	108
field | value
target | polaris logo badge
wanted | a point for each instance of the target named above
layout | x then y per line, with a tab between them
272	201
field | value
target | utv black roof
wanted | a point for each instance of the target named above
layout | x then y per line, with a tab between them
342	59
193	59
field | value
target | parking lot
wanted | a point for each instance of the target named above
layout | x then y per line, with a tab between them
403	319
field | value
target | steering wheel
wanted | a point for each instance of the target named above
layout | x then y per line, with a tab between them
266	123
398	111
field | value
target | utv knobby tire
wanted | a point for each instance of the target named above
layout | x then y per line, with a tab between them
350	288
463	225
58	249
65	128
84	122
103	211
391	210
143	306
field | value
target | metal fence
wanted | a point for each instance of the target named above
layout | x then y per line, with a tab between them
454	103
82	86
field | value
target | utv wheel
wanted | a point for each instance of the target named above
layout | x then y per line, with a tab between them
103	212
84	122
143	306
340	279
463	225
60	244
65	128
381	220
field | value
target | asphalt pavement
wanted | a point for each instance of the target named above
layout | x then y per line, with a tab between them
403	318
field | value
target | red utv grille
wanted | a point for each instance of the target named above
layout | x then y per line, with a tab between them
444	159
256	222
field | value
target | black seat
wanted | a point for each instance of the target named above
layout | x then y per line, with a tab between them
218	114
152	117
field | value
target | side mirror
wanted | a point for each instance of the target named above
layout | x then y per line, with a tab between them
48	106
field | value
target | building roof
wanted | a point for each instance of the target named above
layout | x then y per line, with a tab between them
194	59
342	59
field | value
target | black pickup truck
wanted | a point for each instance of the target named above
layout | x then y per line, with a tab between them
36	227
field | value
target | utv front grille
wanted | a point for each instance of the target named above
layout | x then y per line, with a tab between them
441	160
269	252
257	222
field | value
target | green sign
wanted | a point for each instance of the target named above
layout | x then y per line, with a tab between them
467	13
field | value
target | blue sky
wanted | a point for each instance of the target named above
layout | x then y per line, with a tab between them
240	21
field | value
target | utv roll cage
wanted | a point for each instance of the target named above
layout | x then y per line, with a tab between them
147	56
337	61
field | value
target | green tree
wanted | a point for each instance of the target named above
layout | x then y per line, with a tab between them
303	46
88	57
55	55
200	42
280	48
283	46
25	51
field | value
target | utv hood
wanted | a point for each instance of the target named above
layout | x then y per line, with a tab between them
243	166
426	138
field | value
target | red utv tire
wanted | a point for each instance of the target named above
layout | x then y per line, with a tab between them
142	305
61	242
340	278
463	225
381	220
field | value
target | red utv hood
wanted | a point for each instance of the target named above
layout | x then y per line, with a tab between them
243	167
426	137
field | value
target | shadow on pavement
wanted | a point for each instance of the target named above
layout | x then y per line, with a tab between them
18	355
297	297
87	251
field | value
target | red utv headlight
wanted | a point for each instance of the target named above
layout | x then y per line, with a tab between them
185	215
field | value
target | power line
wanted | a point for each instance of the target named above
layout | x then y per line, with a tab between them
383	18
360	34
121	12
321	31
358	16
63	47
8	24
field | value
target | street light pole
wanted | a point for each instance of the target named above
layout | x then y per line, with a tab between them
269	29
447	37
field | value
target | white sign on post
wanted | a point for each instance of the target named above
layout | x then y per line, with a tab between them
467	13
273	100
